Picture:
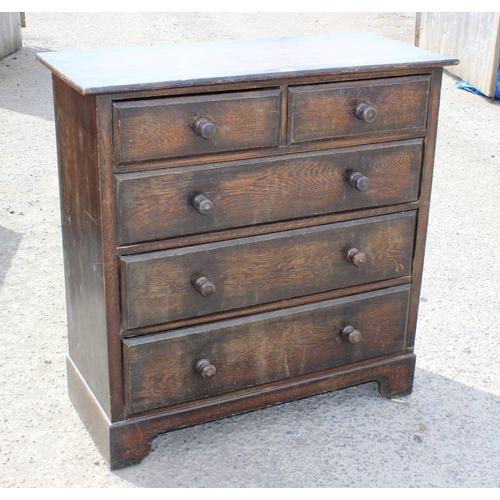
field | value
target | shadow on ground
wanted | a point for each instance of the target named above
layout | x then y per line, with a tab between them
26	84
9	243
444	435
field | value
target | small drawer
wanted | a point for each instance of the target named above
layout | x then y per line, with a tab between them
168	285
199	199
373	107
193	125
193	363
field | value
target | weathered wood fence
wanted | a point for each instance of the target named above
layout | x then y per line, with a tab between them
472	37
10	32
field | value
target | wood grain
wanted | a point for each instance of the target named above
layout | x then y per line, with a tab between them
328	110
104	123
261	308
304	79
157	205
229	234
81	225
161	369
160	128
473	37
157	287
182	314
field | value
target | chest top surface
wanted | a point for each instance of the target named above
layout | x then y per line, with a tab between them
104	71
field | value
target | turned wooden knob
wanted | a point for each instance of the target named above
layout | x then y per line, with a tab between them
205	128
359	181
365	112
203	204
352	335
205	368
204	286
356	257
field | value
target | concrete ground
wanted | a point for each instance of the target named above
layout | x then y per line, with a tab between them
446	434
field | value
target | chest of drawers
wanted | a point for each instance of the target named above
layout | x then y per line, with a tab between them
243	225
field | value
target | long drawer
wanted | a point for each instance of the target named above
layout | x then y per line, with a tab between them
191	125
368	107
168	285
163	204
197	362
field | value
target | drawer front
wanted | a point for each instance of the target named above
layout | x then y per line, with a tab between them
358	108
181	126
161	369
162	204
169	285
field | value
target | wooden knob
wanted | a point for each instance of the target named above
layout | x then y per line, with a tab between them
203	204
351	334
205	128
359	181
356	257
365	112
204	286
205	368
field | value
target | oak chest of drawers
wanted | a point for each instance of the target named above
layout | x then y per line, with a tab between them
243	225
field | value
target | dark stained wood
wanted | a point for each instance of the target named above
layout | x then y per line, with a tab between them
162	369
329	110
185	65
359	181
81	226
104	117
356	257
203	204
263	153
171	126
365	112
128	442
425	196
156	205
261	308
352	335
157	287
131	439
205	368
262	229
240	230
397	382
204	286
284	114
275	82
89	410
205	128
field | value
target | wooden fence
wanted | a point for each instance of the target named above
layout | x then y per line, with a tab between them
472	37
10	32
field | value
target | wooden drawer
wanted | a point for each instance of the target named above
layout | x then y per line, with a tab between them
167	127
160	286
161	204
160	370
329	111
